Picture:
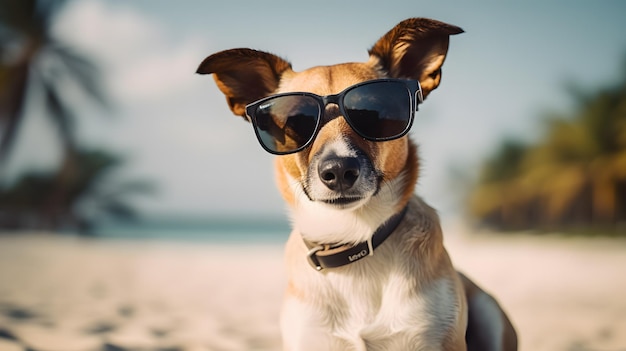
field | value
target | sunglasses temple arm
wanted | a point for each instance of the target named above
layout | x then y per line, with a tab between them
418	96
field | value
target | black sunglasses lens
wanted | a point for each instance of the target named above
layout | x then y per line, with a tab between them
379	110
286	123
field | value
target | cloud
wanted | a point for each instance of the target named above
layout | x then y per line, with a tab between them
142	61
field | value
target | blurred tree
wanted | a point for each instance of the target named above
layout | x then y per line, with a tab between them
38	69
499	199
93	193
574	176
33	60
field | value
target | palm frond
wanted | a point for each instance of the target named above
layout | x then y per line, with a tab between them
119	210
82	71
58	110
11	110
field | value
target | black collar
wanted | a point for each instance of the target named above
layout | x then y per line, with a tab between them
322	256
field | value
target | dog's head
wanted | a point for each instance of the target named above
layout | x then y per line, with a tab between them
338	178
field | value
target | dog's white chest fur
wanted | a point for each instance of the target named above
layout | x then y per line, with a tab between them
385	311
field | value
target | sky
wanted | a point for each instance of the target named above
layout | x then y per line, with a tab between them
501	77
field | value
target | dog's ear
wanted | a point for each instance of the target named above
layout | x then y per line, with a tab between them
244	75
415	48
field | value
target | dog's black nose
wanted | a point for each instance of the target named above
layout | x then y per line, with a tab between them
339	173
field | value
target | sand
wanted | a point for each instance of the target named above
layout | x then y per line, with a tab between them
60	293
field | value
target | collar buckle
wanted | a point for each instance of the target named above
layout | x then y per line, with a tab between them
370	246
312	257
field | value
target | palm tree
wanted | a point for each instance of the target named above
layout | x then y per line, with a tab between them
582	163
37	68
33	60
575	175
498	199
94	193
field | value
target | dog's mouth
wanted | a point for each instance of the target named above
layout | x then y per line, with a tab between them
343	202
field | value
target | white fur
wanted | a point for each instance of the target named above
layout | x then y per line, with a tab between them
323	223
379	307
302	328
341	148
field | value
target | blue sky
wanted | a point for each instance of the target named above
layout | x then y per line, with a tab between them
507	71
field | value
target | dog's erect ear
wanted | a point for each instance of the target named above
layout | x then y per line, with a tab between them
415	48
244	75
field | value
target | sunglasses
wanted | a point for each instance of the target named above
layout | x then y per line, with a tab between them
377	110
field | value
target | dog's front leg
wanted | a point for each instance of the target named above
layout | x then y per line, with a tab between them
304	328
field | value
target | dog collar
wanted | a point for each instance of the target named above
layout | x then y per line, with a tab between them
322	256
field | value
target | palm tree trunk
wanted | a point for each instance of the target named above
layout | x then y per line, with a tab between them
604	201
18	83
57	211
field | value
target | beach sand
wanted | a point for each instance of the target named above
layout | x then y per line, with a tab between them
61	293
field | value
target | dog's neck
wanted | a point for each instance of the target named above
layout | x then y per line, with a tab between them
321	224
331	256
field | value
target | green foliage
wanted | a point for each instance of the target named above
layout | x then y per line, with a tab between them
74	200
506	163
573	178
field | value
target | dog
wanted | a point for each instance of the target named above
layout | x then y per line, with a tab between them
366	265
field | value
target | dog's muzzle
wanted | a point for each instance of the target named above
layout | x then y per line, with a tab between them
341	178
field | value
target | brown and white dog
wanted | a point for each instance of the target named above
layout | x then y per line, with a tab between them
366	265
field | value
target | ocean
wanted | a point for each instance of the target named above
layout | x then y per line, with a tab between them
226	230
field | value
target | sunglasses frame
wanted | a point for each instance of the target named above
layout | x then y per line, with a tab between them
413	87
